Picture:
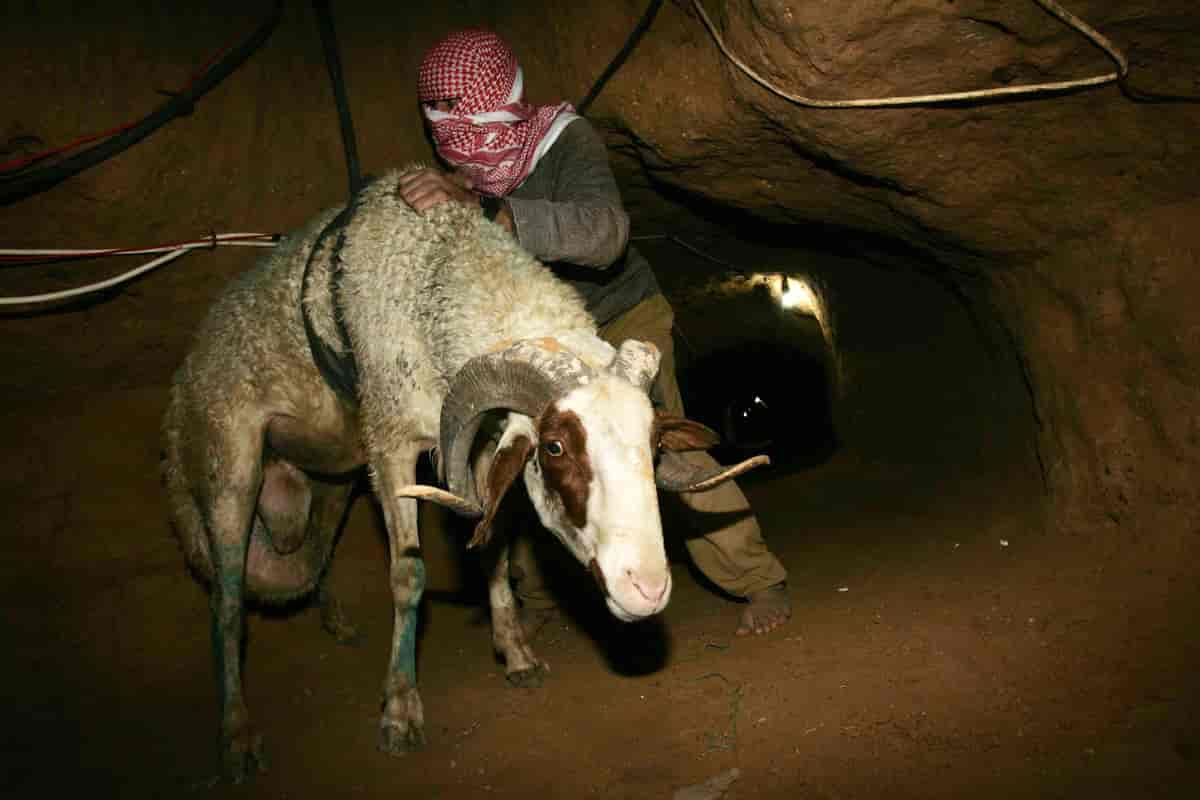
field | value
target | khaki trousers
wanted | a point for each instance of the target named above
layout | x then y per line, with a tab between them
725	542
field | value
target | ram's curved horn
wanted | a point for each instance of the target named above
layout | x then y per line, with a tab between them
433	494
525	378
674	474
637	362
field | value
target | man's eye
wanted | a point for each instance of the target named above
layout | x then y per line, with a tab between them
553	448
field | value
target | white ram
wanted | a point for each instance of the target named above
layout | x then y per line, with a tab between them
447	322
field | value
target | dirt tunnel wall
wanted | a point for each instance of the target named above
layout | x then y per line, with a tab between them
951	635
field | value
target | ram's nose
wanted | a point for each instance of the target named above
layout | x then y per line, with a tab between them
653	590
645	593
635	593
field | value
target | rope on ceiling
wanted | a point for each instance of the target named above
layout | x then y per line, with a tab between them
1050	6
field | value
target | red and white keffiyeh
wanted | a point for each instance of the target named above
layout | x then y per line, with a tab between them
492	135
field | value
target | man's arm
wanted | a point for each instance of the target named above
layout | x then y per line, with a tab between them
576	214
580	220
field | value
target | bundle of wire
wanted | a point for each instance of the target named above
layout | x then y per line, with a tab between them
170	252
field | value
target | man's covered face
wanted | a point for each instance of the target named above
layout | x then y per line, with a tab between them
471	90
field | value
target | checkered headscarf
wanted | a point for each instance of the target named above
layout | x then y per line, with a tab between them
492	135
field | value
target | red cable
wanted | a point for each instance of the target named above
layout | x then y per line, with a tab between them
19	163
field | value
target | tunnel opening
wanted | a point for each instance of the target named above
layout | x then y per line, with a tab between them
763	397
896	386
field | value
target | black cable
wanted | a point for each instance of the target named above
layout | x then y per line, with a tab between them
630	43
1141	96
333	62
181	104
339	370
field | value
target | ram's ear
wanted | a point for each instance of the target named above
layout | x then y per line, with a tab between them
677	433
507	463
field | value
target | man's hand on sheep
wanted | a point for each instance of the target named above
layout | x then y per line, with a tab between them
427	188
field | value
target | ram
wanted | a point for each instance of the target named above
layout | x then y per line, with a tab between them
369	337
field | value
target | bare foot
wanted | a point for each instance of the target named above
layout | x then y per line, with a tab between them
766	610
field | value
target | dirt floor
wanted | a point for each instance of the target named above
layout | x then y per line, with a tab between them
944	643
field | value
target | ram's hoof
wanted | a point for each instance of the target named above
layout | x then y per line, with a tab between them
337	626
242	756
528	678
335	622
397	739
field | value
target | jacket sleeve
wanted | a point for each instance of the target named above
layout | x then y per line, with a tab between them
582	220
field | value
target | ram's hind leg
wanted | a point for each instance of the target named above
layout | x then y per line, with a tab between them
328	511
229	515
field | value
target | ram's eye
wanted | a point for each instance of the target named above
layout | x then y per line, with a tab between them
553	448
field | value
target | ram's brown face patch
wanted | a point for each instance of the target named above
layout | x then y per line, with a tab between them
562	455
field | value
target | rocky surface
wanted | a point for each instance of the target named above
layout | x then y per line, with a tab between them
1065	215
1012	515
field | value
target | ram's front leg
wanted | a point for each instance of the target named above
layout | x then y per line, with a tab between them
522	667
495	470
401	728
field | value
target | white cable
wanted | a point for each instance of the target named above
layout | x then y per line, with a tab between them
171	255
94	287
221	239
1049	6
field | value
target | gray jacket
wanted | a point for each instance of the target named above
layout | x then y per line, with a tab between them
568	213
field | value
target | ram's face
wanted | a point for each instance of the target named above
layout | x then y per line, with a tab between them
585	437
591	479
